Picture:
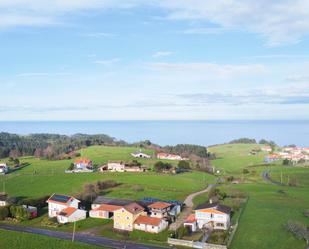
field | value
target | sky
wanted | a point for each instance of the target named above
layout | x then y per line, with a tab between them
154	59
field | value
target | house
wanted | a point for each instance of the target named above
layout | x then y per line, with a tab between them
116	166
56	203
159	209
191	222
140	154
169	156
3	199
71	214
104	207
150	224
3	168
82	165
33	211
272	158
266	148
214	215
125	217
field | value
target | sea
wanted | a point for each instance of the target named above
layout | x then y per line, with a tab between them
283	132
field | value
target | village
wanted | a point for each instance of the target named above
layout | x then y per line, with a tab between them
291	155
149	215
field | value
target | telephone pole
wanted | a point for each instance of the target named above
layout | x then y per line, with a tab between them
73	235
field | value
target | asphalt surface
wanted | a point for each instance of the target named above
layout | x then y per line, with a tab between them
88	239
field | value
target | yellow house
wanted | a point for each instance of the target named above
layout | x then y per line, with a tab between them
124	217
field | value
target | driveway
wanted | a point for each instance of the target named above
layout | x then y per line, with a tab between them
88	239
188	208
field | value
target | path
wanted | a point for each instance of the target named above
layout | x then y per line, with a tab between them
88	239
266	177
188	208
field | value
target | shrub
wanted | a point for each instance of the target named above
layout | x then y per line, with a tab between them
71	167
183	165
4	213
19	212
245	171
36	202
138	188
160	166
182	231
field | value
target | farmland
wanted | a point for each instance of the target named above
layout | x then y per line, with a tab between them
268	208
44	177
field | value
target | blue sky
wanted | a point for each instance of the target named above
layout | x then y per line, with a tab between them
172	59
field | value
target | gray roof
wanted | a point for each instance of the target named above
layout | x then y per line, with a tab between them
111	201
217	206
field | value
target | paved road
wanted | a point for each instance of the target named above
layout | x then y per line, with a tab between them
188	208
93	240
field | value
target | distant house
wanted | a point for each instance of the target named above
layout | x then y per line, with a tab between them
125	217
83	165
266	148
71	214
3	199
160	209
3	168
121	167
211	215
272	158
57	203
170	156
140	154
150	224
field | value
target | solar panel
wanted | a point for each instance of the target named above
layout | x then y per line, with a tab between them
60	198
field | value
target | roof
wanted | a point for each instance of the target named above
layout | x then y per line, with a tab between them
134	208
160	205
107	207
67	211
111	201
83	160
62	199
215	206
190	218
153	221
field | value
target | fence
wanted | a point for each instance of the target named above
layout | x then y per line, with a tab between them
192	244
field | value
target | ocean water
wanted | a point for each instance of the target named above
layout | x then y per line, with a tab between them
173	132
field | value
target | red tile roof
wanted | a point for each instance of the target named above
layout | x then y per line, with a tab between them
160	205
67	211
134	208
153	221
83	160
190	218
106	207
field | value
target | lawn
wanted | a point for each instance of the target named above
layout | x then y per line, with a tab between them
19	240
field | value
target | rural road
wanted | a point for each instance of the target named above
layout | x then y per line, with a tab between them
88	239
266	177
188	208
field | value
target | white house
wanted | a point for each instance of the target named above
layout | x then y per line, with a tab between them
3	199
169	156
71	214
56	203
116	166
3	168
266	148
150	224
140	154
212	215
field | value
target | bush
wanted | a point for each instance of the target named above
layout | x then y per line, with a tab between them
160	166
182	231
245	171
138	188
36	202
215	192
183	165
19	212
4	213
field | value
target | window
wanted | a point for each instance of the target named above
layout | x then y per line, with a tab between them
219	224
127	217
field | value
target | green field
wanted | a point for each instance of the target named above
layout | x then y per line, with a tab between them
43	177
232	158
18	240
260	226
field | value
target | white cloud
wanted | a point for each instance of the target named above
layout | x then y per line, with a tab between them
279	22
162	54
107	62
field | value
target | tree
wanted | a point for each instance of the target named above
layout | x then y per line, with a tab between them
20	213
183	165
4	213
160	166
286	162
